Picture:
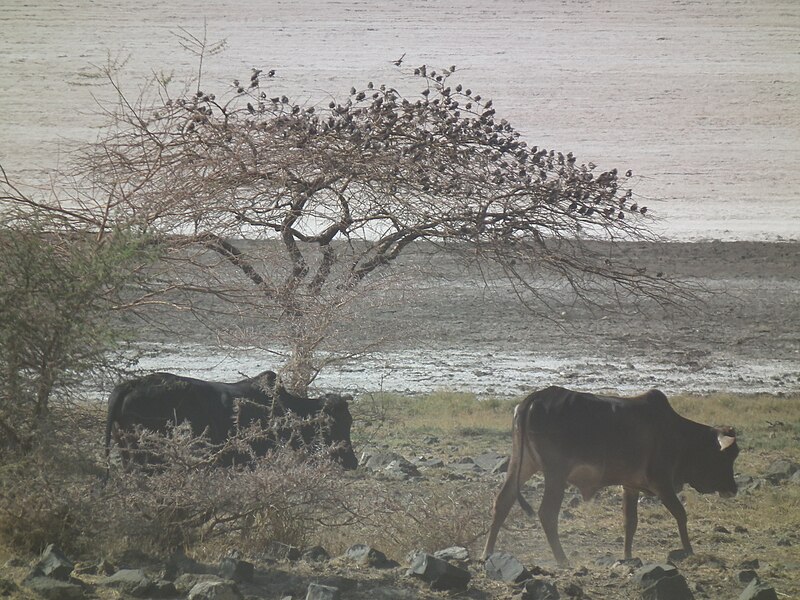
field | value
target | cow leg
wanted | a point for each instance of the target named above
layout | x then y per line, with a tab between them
630	507
517	474
674	506
554	486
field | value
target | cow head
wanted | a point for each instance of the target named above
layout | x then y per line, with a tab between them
338	430
713	465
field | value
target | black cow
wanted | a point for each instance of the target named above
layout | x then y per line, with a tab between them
301	423
161	400
595	441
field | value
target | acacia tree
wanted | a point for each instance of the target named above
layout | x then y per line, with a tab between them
343	188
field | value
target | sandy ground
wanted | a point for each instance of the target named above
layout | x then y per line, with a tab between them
698	98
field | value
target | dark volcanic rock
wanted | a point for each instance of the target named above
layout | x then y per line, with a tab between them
54	589
133	582
747	575
440	574
539	589
676	556
649	574
505	567
668	588
237	570
662	582
315	554
758	591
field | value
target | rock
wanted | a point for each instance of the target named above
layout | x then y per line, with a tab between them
315	554
458	553
391	463
795	478
750	563
490	461
184	583
368	556
464	465
668	588
280	551
502	466
676	556
438	573
317	591
781	470
505	567
215	590
539	589
745	483
606	560
647	575
237	570
747	575
133	582
54	564
429	463
662	582
164	589
179	563
54	589
430	439
756	590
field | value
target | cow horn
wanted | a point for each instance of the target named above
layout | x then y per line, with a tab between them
726	441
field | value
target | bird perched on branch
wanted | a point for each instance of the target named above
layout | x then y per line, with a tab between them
399	61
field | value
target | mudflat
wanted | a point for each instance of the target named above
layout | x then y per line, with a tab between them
461	328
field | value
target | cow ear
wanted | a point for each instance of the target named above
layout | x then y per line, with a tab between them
726	441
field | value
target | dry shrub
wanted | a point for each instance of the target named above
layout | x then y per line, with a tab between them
426	515
41	504
187	498
183	501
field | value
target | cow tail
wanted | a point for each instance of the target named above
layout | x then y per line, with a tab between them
521	438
